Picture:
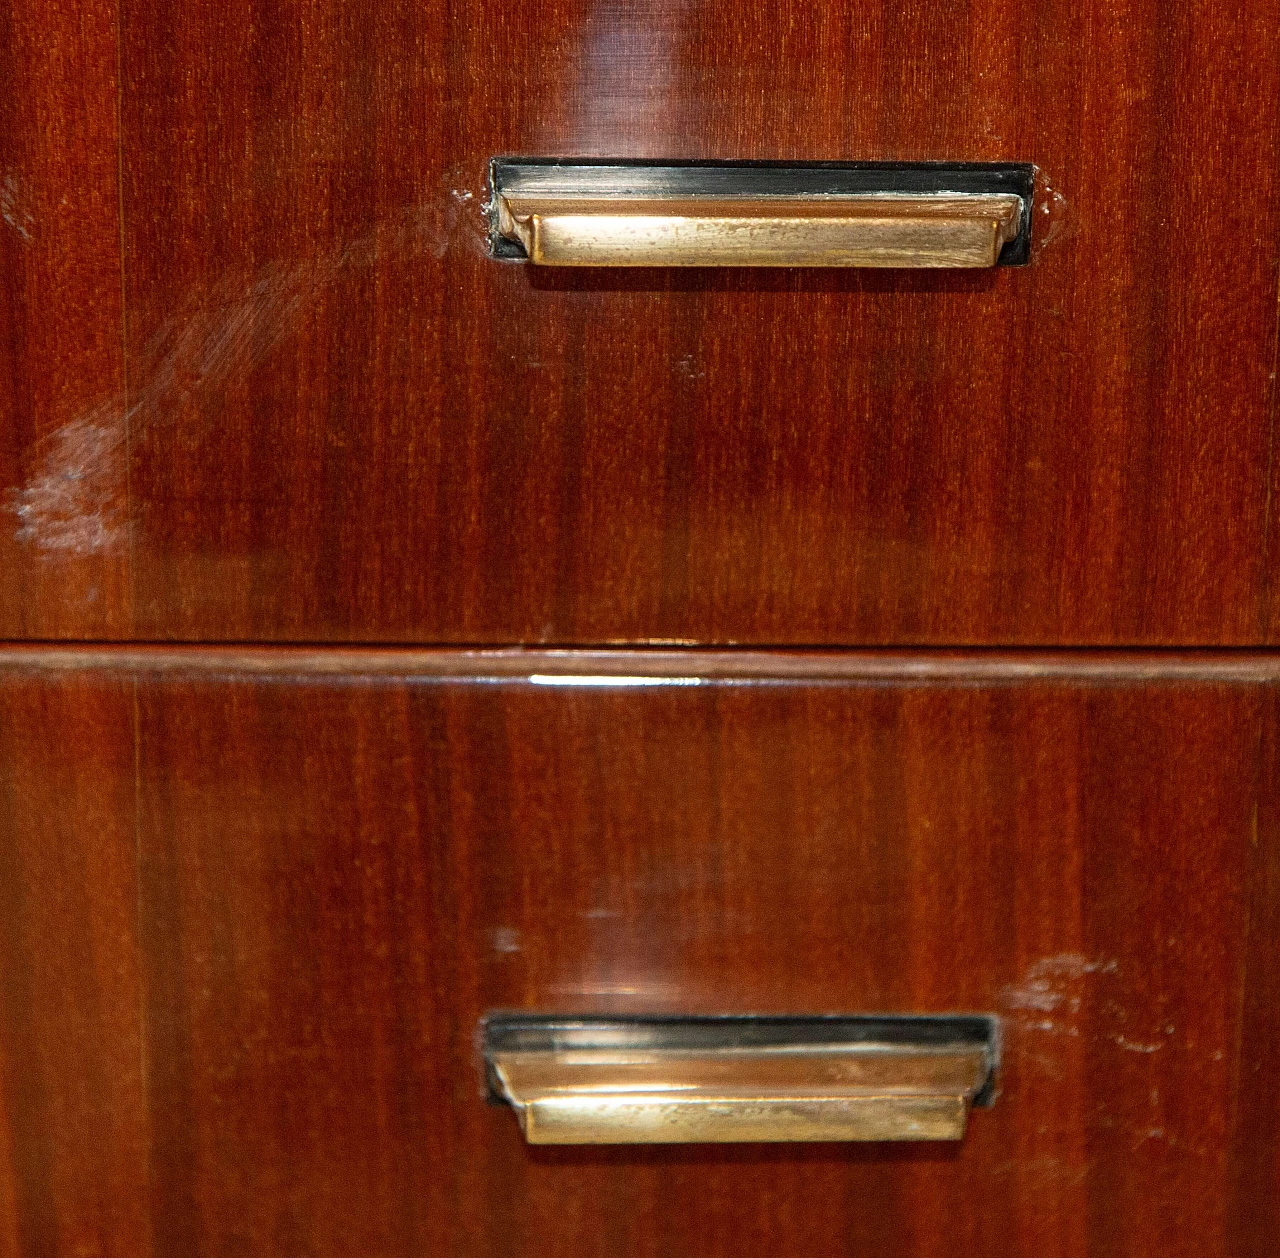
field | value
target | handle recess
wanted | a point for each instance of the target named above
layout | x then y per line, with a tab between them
646	1082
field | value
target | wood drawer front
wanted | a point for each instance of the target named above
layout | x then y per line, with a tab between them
260	381
252	906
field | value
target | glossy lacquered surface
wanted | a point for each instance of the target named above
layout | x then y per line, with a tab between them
73	1101
254	907
63	571
327	415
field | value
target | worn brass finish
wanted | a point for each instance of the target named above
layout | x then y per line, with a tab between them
882	230
810	1092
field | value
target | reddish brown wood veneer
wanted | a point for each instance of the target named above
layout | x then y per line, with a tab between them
339	872
64	451
345	423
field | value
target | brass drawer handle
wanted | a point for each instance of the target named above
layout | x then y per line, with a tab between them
719	1080
592	215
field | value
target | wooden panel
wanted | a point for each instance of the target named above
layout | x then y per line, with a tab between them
64	562
347	858
354	426
1254	1209
73	1120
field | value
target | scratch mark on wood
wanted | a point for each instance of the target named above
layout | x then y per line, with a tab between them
12	208
74	500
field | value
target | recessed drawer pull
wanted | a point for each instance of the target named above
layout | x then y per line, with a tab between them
718	1080
585	214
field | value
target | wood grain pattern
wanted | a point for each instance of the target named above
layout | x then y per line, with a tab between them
64	554
73	1120
1254	1133
340	871
354	426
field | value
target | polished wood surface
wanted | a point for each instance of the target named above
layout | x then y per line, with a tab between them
346	423
64	556
260	383
339	871
73	1103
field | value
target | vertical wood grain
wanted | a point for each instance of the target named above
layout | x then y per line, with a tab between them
288	206
252	1013
341	873
265	1043
64	526
1254	1132
73	1122
353	425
